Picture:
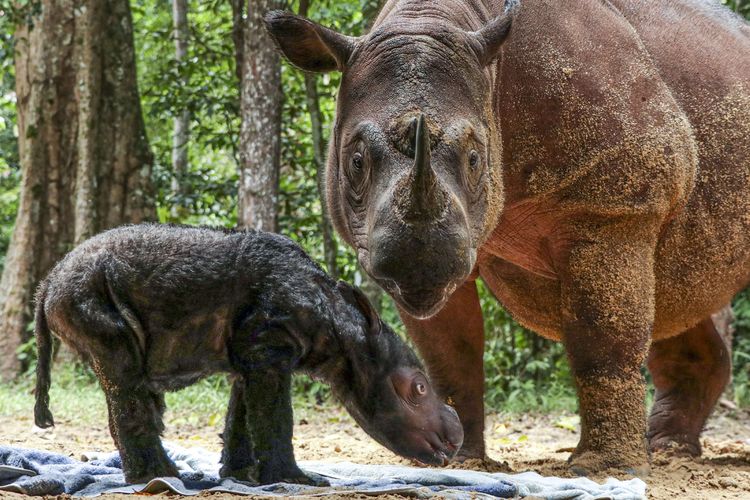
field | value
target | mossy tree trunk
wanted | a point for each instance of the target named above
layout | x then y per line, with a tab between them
181	126
260	102
86	164
330	248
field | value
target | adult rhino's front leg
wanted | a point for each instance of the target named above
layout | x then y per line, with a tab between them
607	303
452	345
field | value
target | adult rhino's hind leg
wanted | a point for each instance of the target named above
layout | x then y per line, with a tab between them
690	371
452	345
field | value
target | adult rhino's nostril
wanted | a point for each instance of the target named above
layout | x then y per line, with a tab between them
419	297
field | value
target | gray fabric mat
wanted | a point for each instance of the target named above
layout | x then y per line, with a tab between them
36	472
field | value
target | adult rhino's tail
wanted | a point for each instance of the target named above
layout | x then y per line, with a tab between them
42	415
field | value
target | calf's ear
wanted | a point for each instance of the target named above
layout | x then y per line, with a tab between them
307	45
354	296
488	40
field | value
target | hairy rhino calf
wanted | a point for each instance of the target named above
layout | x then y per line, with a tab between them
155	308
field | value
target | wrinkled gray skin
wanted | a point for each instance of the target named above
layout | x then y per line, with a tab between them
154	308
398	191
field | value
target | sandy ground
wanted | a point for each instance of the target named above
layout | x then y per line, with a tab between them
518	443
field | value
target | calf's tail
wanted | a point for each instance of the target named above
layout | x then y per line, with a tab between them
42	416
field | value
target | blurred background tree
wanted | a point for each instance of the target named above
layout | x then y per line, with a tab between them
194	69
82	150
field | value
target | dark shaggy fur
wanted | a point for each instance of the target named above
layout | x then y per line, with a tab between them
154	308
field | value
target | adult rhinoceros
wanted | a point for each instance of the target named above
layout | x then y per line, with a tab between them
593	168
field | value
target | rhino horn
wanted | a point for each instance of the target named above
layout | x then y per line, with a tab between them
424	188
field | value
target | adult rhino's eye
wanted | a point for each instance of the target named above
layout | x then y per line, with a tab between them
358	161
473	159
474	174
358	174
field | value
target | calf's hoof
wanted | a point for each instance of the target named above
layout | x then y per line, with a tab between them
245	474
309	478
293	476
144	476
588	463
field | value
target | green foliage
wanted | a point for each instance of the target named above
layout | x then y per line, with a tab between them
206	85
522	370
74	386
9	164
742	7
741	349
71	390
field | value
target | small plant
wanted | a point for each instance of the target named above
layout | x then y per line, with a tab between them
523	371
741	349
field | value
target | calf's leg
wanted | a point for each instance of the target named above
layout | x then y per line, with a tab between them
452	345
268	406
135	412
690	372
136	426
237	456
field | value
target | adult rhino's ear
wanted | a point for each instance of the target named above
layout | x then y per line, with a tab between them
308	45
489	40
354	296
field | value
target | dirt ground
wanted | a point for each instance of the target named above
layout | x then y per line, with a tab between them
518	443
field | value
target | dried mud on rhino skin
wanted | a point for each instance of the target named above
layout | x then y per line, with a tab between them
630	153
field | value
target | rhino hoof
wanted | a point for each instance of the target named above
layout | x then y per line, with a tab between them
589	463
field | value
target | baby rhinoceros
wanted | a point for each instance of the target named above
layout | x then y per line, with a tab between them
154	308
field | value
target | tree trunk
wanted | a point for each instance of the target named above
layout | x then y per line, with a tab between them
330	249
238	36
86	164
181	130
370	11
260	104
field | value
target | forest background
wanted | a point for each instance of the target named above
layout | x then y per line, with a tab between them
191	137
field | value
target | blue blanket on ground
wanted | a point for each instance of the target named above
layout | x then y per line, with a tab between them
36	472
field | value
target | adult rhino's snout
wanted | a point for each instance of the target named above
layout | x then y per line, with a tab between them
420	244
